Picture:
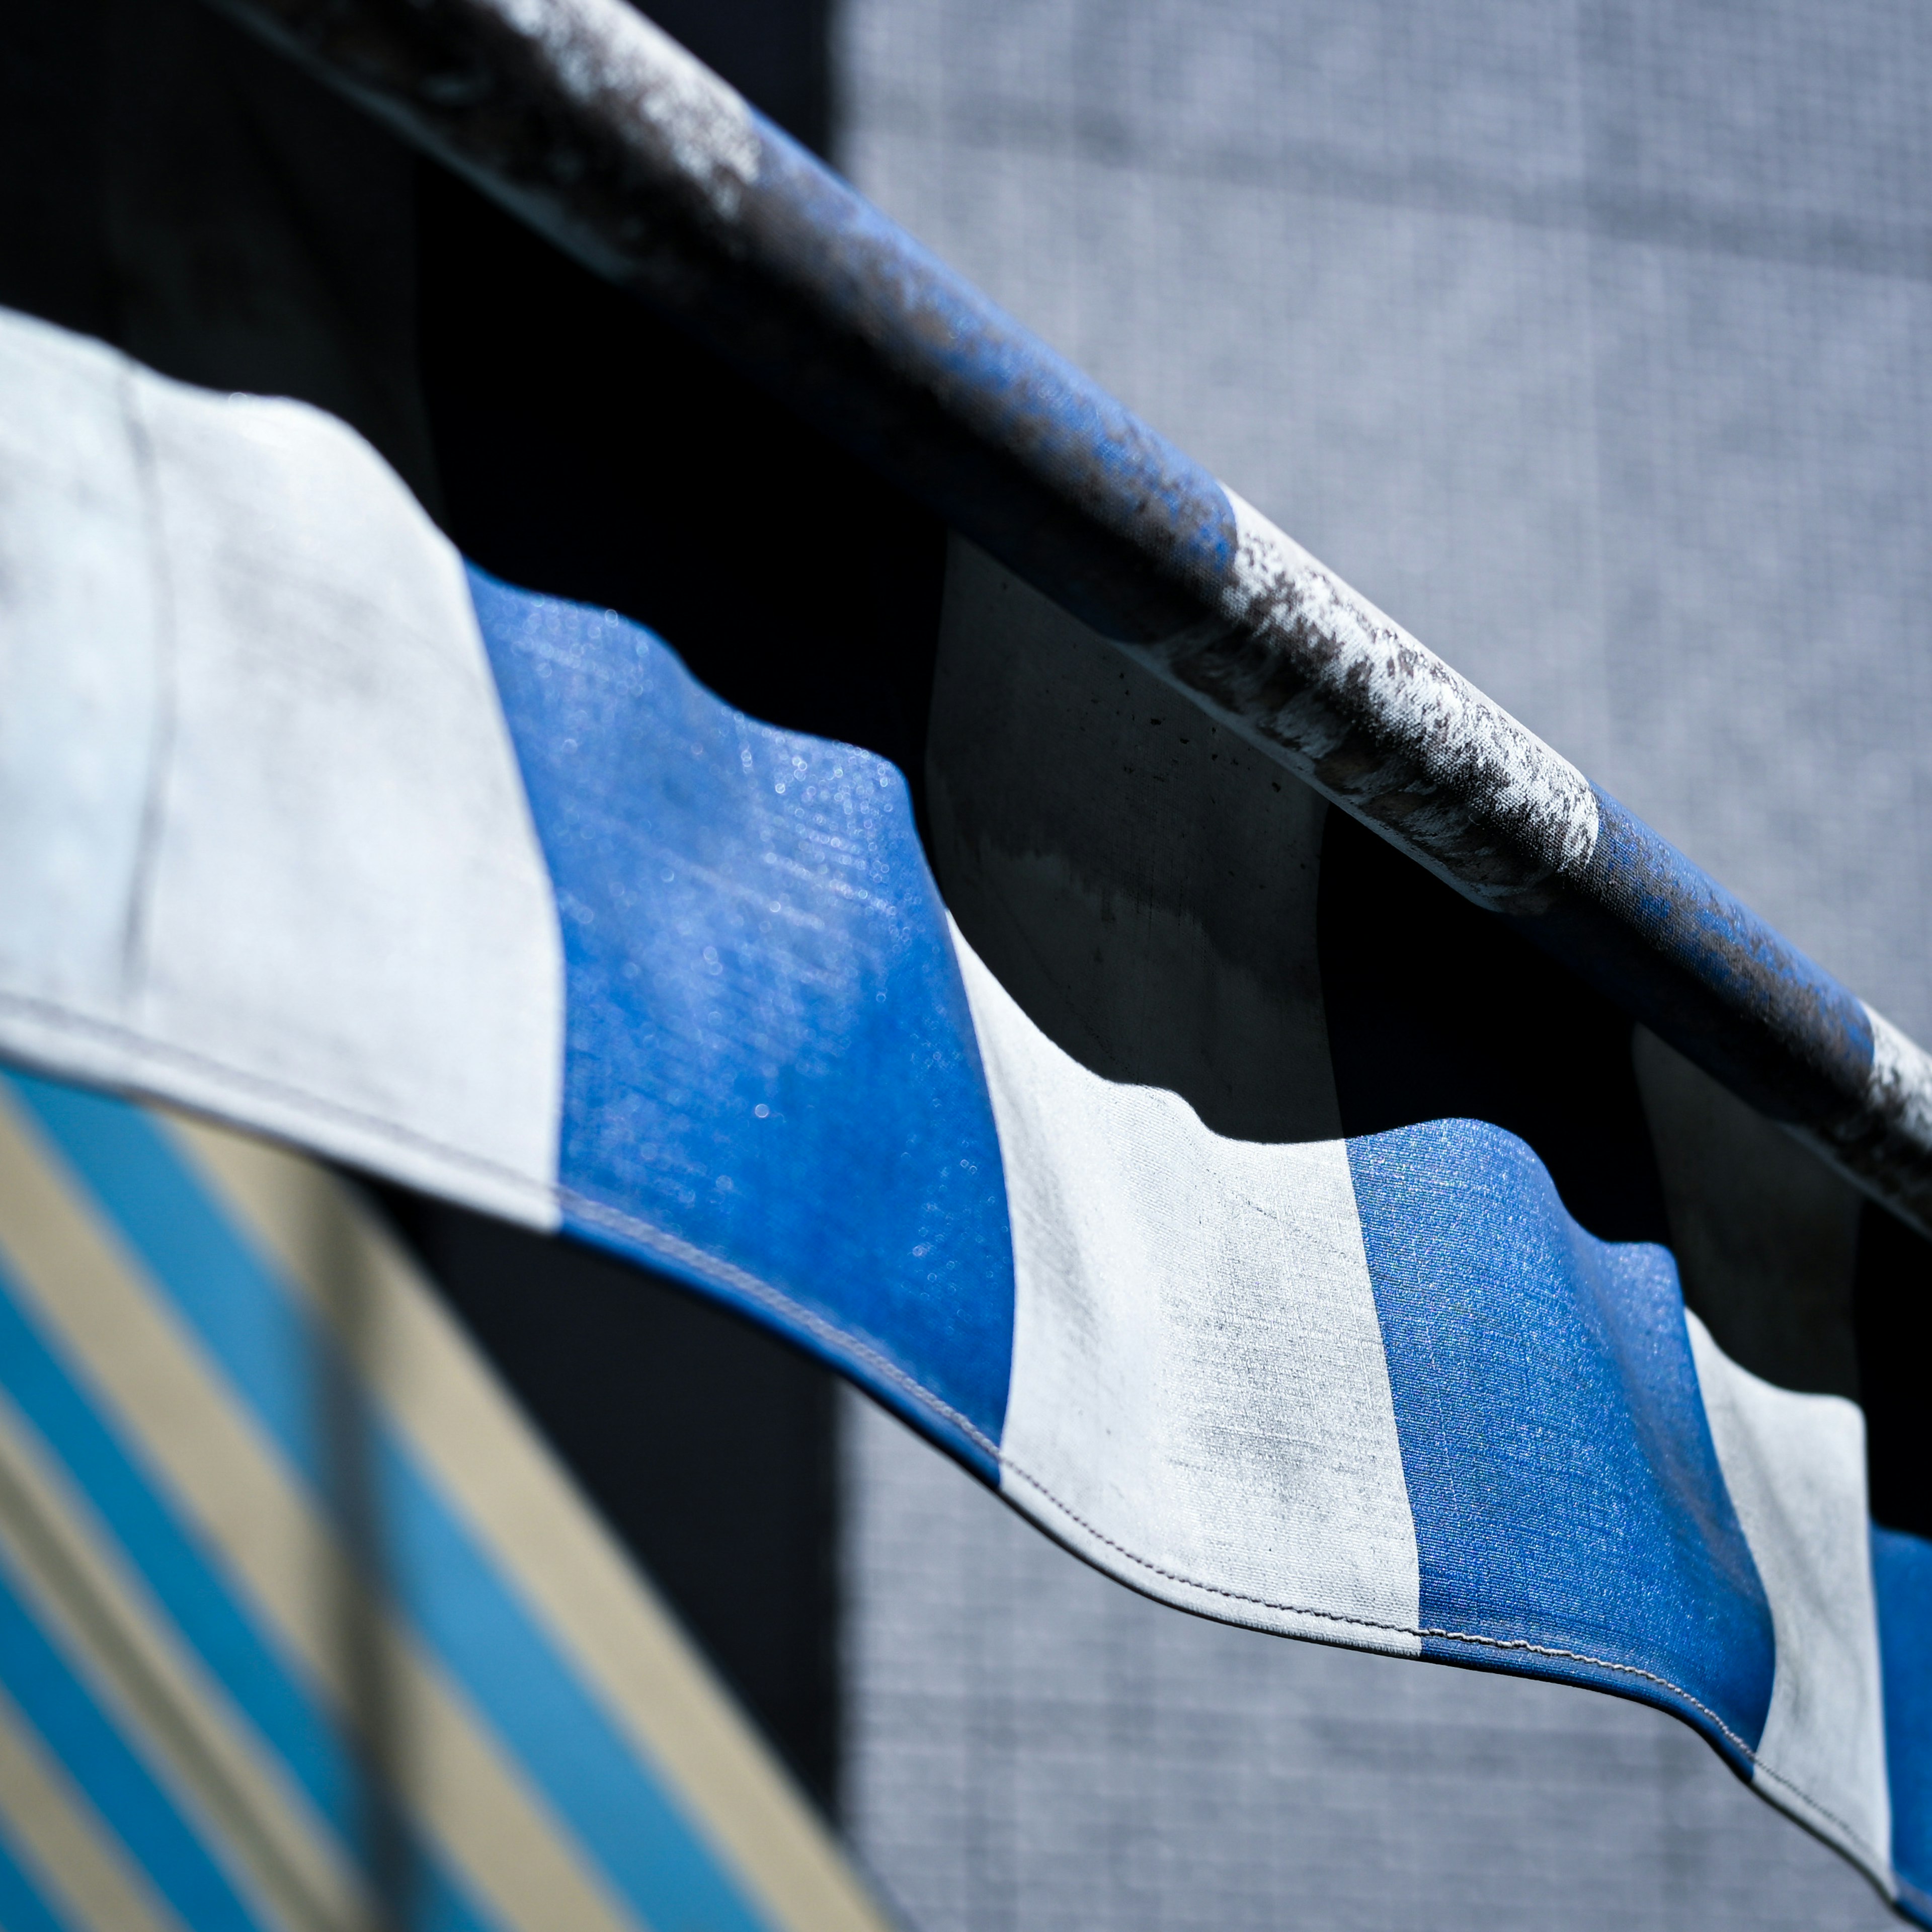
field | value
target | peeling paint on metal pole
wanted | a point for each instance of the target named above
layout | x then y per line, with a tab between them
591	124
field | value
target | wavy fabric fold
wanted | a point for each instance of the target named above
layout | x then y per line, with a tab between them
312	831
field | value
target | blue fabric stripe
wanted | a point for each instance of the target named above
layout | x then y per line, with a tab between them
289	1373
772	1085
118	1786
1565	1490
1902	1582
23	1906
187	1581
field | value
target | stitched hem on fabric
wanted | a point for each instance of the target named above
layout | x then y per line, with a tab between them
1759	1767
58	1018
774	1300
617	1222
917	1396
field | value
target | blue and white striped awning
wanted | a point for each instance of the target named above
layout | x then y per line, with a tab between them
308	827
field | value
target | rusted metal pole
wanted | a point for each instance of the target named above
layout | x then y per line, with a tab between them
592	125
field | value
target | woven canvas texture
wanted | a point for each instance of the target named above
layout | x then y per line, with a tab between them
1592	343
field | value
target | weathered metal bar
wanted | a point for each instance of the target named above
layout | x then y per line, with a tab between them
591	124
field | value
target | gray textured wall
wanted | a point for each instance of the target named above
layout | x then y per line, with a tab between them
1032	1748
1595	343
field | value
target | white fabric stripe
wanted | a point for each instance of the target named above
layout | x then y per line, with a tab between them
1794	1465
602	1613
264	844
1200	1403
79	668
